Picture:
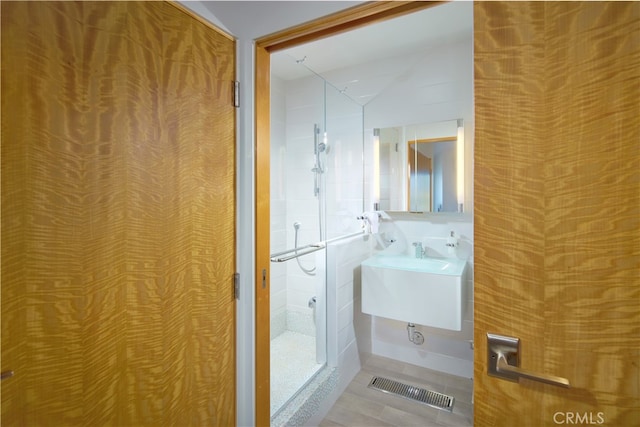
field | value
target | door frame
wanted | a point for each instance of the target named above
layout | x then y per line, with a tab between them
339	22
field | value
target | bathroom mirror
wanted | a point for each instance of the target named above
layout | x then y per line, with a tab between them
420	168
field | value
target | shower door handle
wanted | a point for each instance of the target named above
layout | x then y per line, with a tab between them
503	356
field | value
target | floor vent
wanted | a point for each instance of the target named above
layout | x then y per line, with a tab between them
431	398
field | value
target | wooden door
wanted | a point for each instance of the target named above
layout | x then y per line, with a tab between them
118	216
557	209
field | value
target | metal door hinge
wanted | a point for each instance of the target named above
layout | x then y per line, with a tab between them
236	94
236	285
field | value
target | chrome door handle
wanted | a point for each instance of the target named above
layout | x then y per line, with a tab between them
503	356
503	366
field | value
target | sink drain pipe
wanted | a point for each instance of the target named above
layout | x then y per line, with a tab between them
414	336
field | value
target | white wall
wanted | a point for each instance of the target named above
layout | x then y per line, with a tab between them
344	165
438	87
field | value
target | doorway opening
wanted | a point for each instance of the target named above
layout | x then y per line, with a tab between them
266	179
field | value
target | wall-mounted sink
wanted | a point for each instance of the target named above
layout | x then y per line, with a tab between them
426	291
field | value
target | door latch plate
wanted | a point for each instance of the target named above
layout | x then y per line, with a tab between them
509	347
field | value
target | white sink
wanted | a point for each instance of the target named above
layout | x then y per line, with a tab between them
426	291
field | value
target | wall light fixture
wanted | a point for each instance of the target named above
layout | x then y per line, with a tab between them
460	165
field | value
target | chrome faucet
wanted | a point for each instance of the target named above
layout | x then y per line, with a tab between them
419	250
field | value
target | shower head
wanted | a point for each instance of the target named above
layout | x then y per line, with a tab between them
296	225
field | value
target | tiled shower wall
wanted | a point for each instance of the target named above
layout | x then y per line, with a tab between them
296	106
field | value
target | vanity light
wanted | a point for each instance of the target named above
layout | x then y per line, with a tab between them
376	166
460	165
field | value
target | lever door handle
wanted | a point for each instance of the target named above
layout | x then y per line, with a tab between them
503	366
6	374
504	362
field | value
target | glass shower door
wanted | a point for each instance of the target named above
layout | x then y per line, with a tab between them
316	195
345	166
298	349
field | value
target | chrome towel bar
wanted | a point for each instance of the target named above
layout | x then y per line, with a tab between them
297	252
308	249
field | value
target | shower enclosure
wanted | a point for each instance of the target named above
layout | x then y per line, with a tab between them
316	196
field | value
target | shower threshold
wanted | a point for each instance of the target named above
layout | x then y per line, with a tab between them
304	405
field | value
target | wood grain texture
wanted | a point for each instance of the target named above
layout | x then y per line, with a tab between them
557	206
263	228
118	217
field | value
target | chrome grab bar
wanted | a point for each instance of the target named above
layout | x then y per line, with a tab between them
503	359
297	252
299	248
308	249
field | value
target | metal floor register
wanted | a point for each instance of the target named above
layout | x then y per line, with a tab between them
427	397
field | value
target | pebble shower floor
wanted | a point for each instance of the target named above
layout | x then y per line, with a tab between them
293	358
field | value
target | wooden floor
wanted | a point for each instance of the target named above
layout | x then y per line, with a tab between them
362	406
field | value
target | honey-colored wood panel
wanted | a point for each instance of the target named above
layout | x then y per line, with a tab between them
42	237
118	165
206	135
557	207
357	16
508	185
592	260
123	175
263	227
